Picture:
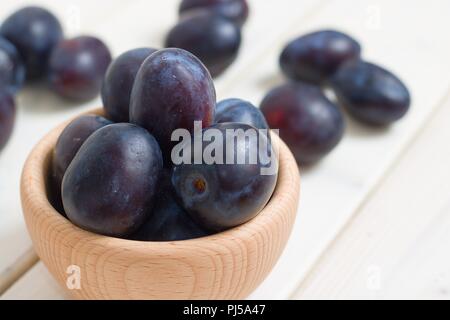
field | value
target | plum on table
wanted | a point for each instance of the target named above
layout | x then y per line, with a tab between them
34	31
12	69
7	117
371	93
211	38
77	67
309	123
316	56
234	10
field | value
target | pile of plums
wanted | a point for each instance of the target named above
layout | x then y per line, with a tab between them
115	175
119	175
211	30
311	124
32	49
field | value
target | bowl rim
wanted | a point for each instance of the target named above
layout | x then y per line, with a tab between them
33	187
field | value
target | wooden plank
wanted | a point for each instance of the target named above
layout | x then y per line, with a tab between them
396	246
37	284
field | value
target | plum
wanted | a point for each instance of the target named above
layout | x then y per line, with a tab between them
109	186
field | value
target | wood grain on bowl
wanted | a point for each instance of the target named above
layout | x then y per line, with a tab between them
228	265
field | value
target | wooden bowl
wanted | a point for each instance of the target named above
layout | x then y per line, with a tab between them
228	265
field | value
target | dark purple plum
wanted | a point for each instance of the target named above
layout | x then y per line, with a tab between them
77	67
73	137
118	83
109	186
172	90
223	194
241	111
370	93
309	123
12	69
34	32
168	221
67	146
316	56
7	117
234	10
211	38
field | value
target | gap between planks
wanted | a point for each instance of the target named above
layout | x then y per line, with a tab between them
10	275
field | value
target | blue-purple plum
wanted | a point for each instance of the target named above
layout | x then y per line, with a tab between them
168	220
316	56
211	38
7	117
12	69
234	10
309	123
67	146
223	195
172	90
118	83
241	111
34	31
109	186
77	67
370	93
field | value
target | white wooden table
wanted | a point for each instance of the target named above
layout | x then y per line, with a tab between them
374	217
